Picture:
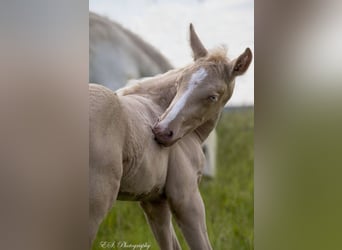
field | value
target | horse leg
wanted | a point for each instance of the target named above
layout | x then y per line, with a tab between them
158	216
209	150
103	191
190	216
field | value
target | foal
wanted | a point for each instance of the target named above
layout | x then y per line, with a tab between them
145	143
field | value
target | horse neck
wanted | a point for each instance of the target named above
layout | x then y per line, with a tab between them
205	129
160	89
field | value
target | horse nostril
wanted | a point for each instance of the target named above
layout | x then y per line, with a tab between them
170	134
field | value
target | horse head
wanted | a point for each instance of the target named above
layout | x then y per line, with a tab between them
203	88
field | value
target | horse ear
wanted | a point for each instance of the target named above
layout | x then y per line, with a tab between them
197	47
241	64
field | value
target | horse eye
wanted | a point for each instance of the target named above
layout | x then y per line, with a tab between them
213	98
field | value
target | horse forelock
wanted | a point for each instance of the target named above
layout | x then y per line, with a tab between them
216	63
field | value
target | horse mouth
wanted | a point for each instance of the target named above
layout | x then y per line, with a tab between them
164	137
163	142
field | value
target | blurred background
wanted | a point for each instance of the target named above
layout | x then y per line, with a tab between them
44	129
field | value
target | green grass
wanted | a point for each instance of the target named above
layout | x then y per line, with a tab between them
228	197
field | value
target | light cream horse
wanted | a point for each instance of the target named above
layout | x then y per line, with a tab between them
145	143
117	55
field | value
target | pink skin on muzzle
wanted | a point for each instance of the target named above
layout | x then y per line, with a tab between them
163	135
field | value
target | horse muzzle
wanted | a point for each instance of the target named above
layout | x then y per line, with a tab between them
163	136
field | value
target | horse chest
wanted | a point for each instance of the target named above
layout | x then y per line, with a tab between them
144	161
145	173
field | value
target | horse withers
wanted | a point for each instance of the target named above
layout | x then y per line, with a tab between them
145	143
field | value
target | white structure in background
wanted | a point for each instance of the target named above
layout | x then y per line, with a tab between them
117	55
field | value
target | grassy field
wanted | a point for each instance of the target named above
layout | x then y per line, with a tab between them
228	197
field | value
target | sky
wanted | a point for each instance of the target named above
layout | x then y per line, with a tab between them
165	25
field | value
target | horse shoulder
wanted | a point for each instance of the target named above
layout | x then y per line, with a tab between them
106	125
